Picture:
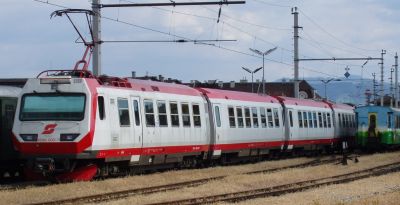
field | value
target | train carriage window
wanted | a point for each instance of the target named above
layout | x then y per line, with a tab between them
329	120
343	121
339	120
149	113
185	115
310	120
247	117
300	117
263	117
254	115
100	102
217	116
173	108
162	113
276	117
137	114
123	111
324	119
239	113
305	120
231	113
315	120
270	119
320	123
196	115
290	118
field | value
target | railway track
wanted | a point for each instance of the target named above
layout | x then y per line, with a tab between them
289	188
150	190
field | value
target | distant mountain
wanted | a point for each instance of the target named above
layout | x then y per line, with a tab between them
347	90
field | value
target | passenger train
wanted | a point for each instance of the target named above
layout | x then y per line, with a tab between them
74	126
9	162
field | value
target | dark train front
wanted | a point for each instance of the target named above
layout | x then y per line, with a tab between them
9	163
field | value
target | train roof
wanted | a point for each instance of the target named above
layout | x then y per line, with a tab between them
340	106
302	102
9	91
236	95
154	86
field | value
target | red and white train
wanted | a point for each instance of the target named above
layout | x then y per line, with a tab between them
74	126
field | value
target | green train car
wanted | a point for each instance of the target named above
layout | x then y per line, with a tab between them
377	126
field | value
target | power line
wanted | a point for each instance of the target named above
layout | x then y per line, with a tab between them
207	44
273	4
334	37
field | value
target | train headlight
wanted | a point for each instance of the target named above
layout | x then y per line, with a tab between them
29	137
68	137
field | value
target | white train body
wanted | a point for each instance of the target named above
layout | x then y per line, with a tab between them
140	122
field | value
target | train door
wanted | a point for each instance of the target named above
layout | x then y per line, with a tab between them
218	130
291	128
372	123
137	122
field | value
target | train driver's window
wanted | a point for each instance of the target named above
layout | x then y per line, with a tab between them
136	110
174	114
196	115
276	117
239	113
162	113
263	117
300	117
290	118
100	102
185	115
218	116
123	111
247	116
149	113
254	115
231	113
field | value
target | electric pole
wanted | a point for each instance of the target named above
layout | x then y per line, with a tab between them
391	87
381	85
296	51
96	37
396	82
374	88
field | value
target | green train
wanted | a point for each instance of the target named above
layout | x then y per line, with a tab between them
378	126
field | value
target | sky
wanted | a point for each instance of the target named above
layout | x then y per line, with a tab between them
31	42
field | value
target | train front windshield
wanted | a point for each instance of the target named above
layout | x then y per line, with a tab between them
52	107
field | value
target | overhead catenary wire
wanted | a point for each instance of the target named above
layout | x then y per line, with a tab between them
185	38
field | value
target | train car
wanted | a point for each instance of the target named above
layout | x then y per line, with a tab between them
244	124
345	123
378	126
77	126
310	124
9	163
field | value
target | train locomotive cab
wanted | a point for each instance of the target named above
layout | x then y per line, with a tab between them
54	123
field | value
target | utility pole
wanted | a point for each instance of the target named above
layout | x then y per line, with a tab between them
296	51
374	88
96	37
391	87
396	82
381	85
